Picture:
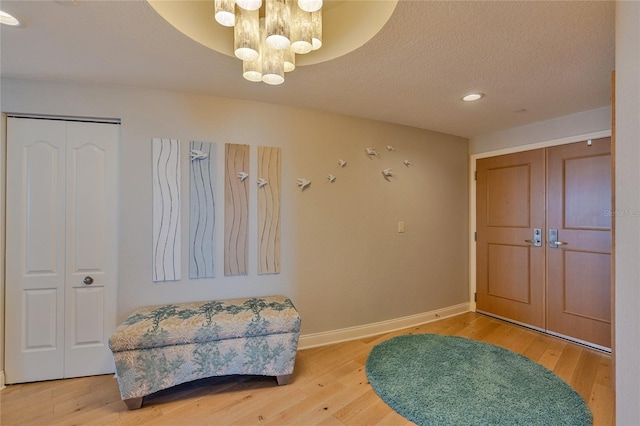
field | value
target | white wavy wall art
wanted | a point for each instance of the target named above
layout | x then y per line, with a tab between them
202	205
166	209
236	209
269	211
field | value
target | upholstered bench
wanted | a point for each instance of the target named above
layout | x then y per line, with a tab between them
161	346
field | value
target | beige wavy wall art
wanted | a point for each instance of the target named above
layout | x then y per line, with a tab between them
268	210
236	209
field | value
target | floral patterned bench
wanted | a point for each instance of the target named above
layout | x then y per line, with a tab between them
162	346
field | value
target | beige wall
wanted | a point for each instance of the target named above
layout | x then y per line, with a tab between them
627	267
343	262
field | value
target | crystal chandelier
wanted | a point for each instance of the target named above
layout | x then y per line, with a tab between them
268	45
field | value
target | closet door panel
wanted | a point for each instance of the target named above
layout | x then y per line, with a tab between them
91	250
35	268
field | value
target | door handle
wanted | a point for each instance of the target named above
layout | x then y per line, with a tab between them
553	239
537	238
88	280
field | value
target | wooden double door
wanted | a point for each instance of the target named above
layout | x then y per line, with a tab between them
544	239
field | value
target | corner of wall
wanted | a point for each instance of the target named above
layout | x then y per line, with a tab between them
3	145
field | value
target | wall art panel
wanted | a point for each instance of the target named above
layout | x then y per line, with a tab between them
236	209
268	210
202	205
166	209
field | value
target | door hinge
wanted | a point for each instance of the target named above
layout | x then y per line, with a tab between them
475	175
475	236
475	297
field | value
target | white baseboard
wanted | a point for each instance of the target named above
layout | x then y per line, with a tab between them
2	386
313	340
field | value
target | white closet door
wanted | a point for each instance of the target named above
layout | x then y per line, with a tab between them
62	248
91	247
35	234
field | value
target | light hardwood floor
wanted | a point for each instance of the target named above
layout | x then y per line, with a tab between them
329	387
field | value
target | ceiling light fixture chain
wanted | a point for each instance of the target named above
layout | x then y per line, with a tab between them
267	45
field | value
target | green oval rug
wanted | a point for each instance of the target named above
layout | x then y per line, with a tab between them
448	380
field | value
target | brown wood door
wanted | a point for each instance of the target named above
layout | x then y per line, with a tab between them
510	195
579	272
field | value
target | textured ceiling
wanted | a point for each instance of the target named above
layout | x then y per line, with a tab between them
535	60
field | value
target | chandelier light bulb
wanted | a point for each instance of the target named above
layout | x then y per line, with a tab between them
272	60
301	31
278	17
252	70
278	42
224	12
249	4
273	67
316	30
289	57
273	79
310	5
246	33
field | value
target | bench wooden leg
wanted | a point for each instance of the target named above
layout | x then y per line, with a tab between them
133	403
284	379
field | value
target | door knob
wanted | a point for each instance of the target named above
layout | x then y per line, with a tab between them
537	238
88	280
553	239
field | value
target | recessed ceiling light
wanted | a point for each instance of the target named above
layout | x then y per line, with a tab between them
472	97
8	19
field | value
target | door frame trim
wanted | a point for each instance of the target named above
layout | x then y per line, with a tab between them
63	118
472	191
